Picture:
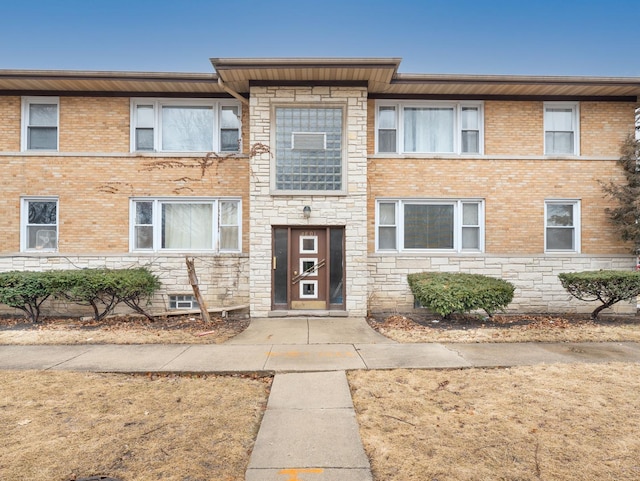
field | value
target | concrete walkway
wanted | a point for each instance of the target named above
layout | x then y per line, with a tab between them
309	430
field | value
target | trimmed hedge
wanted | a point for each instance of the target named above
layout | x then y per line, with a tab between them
27	290
101	289
608	287
446	293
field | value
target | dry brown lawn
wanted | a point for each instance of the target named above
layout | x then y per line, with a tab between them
558	422
59	426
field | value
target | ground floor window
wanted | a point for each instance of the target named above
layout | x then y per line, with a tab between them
423	224
562	225
183	301
186	224
39	224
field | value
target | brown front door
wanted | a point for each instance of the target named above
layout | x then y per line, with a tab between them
308	268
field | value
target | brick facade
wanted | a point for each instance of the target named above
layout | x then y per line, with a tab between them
94	175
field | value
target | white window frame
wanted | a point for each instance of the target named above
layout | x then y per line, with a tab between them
24	224
575	110
457	223
457	107
157	223
215	104
26	122
576	225
189	302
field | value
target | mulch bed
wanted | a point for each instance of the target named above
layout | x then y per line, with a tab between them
162	323
503	321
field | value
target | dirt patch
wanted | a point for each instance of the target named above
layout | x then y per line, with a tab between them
568	422
188	329
63	425
506	328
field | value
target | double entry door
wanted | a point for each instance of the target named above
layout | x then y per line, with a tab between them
308	268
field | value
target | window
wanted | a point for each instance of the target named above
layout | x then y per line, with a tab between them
561	128
407	225
39	224
562	225
185	126
40	123
183	301
429	127
185	224
308	149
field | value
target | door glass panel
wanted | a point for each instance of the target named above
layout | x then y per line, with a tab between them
280	248
336	268
308	267
309	290
308	245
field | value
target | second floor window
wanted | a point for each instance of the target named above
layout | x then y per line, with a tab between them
561	128
185	126
429	127
309	149
40	123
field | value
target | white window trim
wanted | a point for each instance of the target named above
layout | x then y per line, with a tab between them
576	227
158	103
457	223
26	102
157	222
457	124
24	219
575	107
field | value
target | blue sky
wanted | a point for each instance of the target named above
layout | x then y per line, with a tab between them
540	37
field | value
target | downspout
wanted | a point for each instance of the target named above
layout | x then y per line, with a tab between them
232	92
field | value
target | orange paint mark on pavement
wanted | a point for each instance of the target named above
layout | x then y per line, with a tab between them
293	472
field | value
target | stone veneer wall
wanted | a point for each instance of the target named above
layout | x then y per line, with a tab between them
535	277
350	210
223	279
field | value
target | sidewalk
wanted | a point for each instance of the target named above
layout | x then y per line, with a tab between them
309	431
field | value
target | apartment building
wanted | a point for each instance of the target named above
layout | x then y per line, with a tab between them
313	185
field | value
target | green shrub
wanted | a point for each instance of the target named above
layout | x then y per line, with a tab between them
26	290
608	287
104	289
446	293
101	289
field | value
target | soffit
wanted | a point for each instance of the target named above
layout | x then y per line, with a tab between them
485	86
238	74
379	74
26	81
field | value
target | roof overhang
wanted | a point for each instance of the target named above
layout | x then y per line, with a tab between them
69	82
239	74
379	75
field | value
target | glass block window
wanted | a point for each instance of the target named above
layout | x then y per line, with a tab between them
308	149
183	301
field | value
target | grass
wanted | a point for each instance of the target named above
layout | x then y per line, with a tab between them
550	422
57	426
558	422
